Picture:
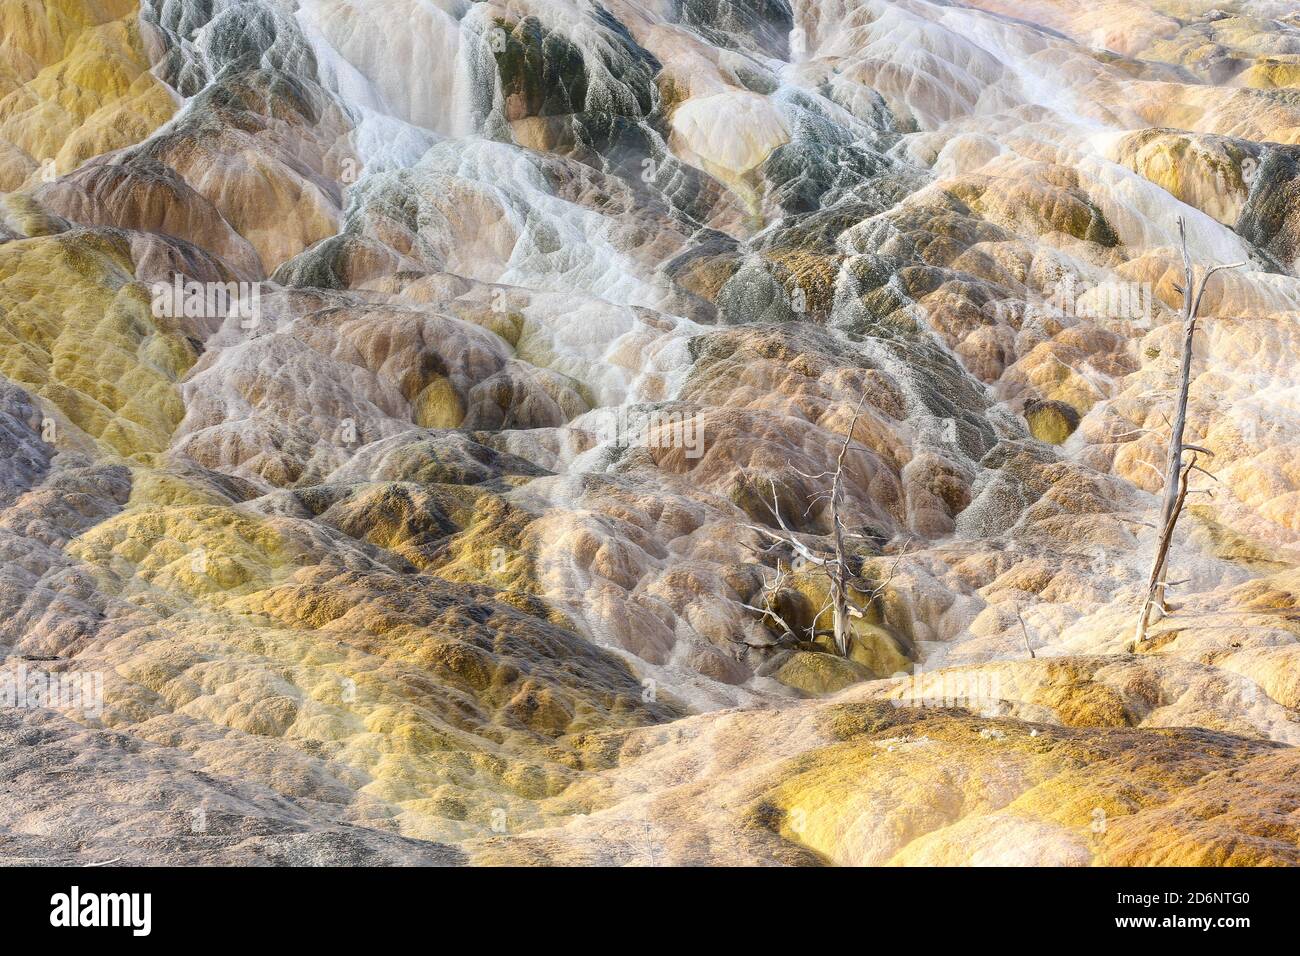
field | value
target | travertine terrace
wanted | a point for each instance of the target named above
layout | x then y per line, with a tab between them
372	571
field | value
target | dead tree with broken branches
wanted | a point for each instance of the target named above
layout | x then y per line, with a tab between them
1178	472
849	596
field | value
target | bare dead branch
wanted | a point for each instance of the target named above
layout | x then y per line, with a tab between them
1023	631
768	612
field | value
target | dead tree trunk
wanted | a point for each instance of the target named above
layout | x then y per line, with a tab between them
840	571
1176	473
